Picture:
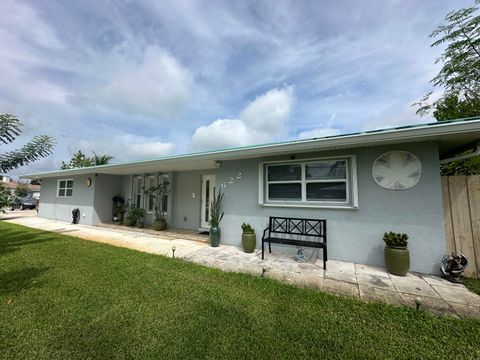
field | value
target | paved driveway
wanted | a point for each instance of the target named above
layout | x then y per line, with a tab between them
355	280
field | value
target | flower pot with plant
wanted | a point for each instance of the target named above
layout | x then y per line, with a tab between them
131	216
216	215
119	209
397	256
158	192
249	238
138	214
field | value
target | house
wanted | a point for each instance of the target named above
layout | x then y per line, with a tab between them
34	190
363	184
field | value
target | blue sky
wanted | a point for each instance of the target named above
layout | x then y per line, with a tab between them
141	79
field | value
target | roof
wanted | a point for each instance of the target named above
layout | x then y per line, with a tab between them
448	134
13	185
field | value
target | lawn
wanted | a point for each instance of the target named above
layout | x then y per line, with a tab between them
65	298
472	284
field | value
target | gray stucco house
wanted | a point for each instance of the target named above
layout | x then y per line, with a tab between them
363	184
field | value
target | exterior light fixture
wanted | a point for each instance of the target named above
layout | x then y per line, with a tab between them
173	252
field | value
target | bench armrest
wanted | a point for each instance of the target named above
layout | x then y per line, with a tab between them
264	232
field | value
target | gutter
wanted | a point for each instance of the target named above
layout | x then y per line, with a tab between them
475	152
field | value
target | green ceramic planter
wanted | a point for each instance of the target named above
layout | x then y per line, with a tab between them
214	235
130	221
397	260
159	224
249	242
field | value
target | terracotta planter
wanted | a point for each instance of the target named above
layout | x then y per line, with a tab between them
214	236
159	224
397	260
249	242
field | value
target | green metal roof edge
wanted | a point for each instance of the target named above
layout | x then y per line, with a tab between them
433	124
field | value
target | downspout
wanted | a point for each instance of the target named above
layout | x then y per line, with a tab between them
463	157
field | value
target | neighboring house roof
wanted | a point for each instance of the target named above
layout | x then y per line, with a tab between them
12	185
449	135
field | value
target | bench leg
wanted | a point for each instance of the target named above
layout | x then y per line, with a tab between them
263	249
269	247
324	258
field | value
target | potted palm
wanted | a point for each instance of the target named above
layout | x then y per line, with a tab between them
215	217
158	191
249	239
397	256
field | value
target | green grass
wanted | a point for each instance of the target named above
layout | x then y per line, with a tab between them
65	298
472	284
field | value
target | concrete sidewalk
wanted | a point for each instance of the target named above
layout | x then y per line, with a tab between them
355	280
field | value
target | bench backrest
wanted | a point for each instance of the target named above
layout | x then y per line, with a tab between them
297	226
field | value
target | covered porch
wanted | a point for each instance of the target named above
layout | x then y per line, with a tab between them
185	206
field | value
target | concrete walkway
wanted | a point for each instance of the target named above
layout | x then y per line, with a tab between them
355	280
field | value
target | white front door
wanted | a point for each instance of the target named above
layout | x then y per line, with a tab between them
208	189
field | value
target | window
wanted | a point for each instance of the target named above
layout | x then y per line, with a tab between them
65	188
137	191
164	178
311	182
150	198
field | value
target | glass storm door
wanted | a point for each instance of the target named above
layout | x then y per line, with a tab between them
208	189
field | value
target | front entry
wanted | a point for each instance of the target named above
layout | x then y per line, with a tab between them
208	189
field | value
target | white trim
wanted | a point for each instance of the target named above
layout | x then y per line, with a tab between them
313	206
261	184
354	181
212	179
351	201
65	188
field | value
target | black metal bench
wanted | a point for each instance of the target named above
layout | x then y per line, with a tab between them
287	231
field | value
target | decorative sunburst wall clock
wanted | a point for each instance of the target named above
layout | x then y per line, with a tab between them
397	170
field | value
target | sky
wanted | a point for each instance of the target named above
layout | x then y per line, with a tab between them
145	79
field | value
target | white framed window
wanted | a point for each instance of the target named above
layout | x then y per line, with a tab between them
137	191
322	182
164	178
150	198
64	187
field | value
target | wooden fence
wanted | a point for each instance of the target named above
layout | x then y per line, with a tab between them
461	203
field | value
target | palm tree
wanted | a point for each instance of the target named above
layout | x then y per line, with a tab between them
101	160
37	148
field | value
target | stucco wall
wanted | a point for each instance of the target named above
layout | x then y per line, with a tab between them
353	235
58	208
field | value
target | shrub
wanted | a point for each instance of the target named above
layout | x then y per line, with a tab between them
247	229
395	239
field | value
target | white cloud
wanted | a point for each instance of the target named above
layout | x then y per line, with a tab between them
124	146
262	120
319	132
224	133
269	112
156	85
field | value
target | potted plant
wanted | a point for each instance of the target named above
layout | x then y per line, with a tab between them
118	208
158	191
120	212
249	239
397	257
215	217
138	214
130	216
